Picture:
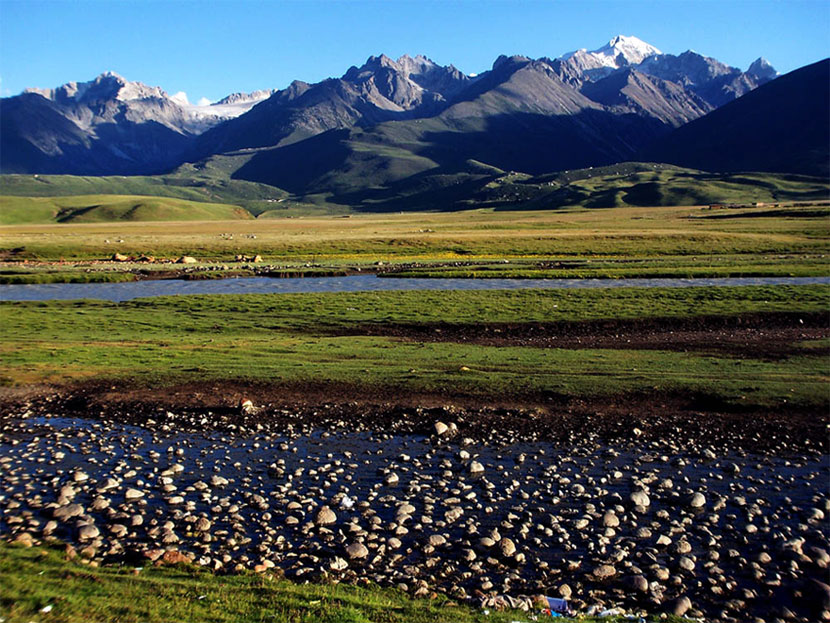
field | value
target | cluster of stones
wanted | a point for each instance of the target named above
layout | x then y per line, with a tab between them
650	526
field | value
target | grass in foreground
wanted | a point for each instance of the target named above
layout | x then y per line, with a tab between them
37	578
294	339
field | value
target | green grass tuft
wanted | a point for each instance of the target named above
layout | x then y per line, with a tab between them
39	577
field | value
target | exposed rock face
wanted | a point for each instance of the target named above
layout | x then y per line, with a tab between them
629	90
108	125
714	82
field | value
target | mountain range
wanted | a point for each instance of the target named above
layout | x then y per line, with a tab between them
408	122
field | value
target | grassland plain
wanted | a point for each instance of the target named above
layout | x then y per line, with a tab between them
613	242
304	339
202	189
315	340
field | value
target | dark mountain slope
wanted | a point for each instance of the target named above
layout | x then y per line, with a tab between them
525	119
629	90
37	136
782	126
380	90
388	119
108	125
34	134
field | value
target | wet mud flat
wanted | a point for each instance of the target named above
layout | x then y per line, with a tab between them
762	335
712	514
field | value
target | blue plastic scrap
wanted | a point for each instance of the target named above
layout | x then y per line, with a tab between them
557	606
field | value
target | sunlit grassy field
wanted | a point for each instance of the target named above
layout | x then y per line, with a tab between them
300	338
673	238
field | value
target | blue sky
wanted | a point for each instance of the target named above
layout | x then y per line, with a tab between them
212	48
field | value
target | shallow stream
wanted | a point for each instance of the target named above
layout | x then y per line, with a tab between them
118	292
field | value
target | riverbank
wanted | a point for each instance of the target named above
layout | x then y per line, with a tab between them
653	449
641	504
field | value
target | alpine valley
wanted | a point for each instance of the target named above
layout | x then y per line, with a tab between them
412	134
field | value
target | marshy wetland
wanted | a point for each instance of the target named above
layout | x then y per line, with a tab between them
662	450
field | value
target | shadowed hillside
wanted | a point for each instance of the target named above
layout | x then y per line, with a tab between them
782	126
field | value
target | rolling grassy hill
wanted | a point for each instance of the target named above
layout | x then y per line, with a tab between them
645	184
107	208
405	182
202	185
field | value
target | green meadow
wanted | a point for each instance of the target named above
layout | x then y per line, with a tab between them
310	338
576	242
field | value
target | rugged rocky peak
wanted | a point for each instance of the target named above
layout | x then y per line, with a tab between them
108	86
715	82
416	66
688	68
407	83
420	70
621	51
444	80
372	65
246	98
509	62
762	69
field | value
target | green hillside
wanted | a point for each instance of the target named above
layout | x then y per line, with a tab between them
351	175
106	208
212	185
649	184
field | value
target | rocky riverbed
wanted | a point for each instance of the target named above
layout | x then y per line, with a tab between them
429	501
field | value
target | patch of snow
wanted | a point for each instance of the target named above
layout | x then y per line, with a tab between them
180	98
634	50
619	51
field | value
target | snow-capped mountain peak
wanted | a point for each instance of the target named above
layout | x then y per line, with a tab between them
619	52
107	86
97	101
632	49
253	97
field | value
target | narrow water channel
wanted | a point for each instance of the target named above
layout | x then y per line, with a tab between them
117	292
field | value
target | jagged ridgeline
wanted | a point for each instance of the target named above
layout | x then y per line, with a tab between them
396	129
